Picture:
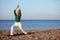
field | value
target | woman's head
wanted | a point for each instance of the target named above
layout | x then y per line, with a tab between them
17	6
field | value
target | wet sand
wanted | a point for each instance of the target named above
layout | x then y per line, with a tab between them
33	34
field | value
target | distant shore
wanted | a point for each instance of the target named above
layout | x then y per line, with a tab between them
33	34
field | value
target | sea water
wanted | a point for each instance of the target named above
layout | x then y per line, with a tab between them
31	24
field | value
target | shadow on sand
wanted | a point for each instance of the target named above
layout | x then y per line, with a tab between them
22	34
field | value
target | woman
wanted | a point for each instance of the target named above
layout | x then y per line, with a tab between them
17	13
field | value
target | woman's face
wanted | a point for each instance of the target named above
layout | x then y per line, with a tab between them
17	6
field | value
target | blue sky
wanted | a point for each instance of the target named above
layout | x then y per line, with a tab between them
31	9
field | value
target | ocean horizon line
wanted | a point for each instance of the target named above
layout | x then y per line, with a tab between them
32	20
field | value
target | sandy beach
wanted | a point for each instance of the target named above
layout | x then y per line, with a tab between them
33	34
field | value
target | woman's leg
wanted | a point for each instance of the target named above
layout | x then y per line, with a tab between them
20	26
12	29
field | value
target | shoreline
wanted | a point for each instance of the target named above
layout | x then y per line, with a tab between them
34	28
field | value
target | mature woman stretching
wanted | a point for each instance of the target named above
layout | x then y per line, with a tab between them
17	13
